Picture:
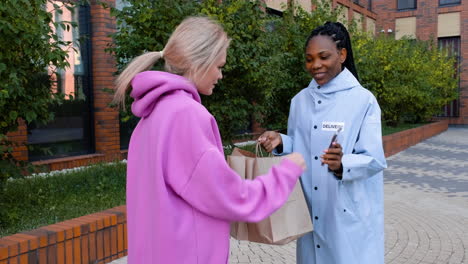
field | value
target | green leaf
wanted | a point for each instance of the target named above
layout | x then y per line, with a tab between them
13	115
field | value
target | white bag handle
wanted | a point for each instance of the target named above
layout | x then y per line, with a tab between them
259	149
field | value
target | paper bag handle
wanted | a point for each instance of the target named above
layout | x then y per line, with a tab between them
258	150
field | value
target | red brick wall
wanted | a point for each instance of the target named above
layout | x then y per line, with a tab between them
400	141
78	161
19	139
106	119
361	8
426	20
95	238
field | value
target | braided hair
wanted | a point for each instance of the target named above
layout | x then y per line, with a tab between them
340	36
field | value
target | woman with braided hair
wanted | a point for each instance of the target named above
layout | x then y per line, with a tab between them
343	184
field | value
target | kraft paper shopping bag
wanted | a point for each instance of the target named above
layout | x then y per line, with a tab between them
288	223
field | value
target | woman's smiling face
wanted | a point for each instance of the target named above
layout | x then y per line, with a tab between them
323	60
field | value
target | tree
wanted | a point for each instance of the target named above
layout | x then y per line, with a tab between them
30	53
412	79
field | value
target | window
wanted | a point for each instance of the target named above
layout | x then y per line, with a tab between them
369	5
449	2
274	12
406	4
70	133
452	46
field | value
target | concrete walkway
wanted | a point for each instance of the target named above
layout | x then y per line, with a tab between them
426	208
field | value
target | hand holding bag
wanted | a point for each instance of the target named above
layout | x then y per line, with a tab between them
288	223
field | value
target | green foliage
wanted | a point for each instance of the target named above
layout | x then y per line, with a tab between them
146	25
282	73
387	130
28	47
32	202
234	98
411	79
265	62
142	26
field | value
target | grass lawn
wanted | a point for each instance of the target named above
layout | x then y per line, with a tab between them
32	202
387	130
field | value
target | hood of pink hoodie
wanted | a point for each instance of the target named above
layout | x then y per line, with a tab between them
150	86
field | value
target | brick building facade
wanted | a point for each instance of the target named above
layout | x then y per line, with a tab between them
359	10
104	120
445	21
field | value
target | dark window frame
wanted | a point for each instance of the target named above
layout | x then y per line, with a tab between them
86	144
453	108
408	6
274	12
449	2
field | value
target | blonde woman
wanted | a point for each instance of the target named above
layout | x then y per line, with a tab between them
181	194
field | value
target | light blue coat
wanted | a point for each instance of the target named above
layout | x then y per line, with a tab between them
347	214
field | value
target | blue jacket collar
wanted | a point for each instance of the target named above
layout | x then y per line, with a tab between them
343	81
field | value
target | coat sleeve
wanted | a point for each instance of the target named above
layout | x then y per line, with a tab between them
208	184
368	157
288	139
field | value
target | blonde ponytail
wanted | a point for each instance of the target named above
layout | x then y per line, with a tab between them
192	48
141	63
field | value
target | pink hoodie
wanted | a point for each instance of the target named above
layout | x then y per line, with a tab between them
181	194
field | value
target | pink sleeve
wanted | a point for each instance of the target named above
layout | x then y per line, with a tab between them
195	168
215	189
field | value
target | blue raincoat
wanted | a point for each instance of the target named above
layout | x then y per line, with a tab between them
347	214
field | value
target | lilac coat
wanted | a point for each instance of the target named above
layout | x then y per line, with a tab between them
181	194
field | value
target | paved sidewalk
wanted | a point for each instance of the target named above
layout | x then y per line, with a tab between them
426	208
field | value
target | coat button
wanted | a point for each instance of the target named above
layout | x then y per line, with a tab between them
316	158
316	218
344	210
315	127
318	86
318	246
315	188
349	170
319	101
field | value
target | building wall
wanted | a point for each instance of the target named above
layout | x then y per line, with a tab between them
352	10
19	138
359	10
106	119
432	22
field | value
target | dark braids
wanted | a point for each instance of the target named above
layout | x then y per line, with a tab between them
340	36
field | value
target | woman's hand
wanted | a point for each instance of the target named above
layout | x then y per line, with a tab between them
332	157
297	158
270	140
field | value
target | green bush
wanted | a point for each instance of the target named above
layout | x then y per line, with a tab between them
237	93
265	63
411	79
264	66
31	202
282	73
28	48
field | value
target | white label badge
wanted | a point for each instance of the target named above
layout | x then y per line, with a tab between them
333	126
